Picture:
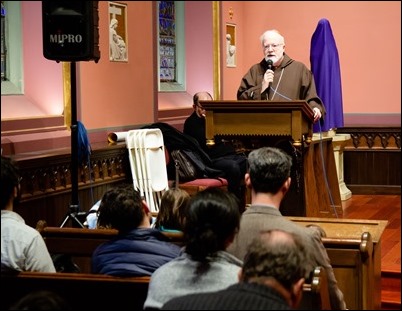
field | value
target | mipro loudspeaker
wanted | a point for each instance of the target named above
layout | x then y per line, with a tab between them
70	30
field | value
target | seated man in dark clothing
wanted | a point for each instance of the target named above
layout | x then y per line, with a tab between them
224	156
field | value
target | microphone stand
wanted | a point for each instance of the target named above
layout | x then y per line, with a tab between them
74	206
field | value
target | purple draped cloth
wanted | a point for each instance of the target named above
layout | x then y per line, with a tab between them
327	75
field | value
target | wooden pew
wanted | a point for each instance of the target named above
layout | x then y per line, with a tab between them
353	246
80	243
354	249
352	261
82	291
85	291
315	293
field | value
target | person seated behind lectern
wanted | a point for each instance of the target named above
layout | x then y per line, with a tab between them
223	156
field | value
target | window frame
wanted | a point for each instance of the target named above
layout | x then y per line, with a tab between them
14	85
180	83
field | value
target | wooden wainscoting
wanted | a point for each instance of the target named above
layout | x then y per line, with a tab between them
371	166
46	181
372	159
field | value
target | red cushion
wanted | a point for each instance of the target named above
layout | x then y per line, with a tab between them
201	182
206	182
167	156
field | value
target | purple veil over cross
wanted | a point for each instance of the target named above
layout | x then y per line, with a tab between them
325	66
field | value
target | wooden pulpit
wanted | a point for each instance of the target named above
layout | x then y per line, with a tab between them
249	125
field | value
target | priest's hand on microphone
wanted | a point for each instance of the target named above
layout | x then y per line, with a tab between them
267	80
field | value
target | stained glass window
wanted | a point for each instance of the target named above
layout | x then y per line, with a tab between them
3	42
167	41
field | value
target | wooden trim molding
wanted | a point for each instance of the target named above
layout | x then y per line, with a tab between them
50	173
175	117
364	137
372	159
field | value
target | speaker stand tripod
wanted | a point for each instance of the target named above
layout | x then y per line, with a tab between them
74	206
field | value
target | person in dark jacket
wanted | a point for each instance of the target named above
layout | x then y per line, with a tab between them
138	250
223	156
272	278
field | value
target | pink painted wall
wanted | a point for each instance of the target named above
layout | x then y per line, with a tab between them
199	46
368	37
42	78
116	95
40	73
113	94
109	94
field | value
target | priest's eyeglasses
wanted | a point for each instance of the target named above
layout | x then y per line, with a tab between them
273	46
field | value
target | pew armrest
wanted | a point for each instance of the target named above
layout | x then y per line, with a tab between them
316	293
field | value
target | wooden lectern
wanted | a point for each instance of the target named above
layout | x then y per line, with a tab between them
253	124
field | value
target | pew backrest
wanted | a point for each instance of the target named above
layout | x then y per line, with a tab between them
81	291
75	241
84	291
352	259
83	241
80	243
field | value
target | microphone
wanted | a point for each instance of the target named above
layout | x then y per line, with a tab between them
270	64
270	67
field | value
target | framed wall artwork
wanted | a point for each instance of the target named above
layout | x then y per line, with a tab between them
118	43
230	45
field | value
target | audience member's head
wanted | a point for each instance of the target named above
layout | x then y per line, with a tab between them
10	183
123	209
276	259
138	250
172	209
41	300
198	108
269	169
212	220
201	96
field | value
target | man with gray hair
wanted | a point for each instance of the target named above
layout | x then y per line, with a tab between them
280	78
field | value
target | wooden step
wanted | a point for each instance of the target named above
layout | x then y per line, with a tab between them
390	290
388	301
391	281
